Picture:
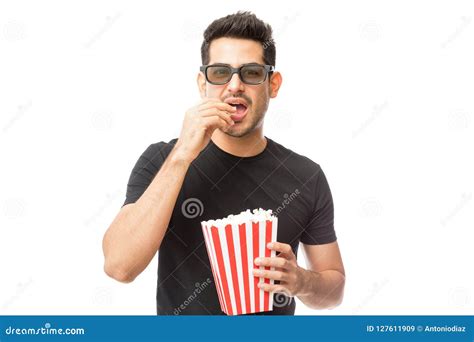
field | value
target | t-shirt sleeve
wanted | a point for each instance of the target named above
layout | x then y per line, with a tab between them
320	228
145	169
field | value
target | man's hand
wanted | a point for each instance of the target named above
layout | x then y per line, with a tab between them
199	123
287	271
320	287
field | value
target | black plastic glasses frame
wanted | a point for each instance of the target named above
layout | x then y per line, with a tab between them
268	70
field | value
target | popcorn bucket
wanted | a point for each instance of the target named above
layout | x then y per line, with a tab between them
232	245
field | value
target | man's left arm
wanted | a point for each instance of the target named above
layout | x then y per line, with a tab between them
321	286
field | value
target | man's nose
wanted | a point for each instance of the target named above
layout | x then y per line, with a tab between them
235	85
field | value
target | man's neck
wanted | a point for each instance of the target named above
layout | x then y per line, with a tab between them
247	146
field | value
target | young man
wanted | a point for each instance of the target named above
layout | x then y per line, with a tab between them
224	164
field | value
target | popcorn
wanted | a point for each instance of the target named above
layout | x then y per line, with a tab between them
232	245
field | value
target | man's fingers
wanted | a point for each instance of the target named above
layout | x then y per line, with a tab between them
280	247
220	113
217	104
275	275
272	262
215	122
273	288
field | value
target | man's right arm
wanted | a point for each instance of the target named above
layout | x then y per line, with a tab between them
137	231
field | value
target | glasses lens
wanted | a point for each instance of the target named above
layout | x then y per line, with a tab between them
219	74
253	74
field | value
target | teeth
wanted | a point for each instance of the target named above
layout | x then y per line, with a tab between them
238	104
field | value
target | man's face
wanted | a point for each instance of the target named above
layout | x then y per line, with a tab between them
237	52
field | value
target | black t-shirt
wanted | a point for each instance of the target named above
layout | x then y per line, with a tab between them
218	184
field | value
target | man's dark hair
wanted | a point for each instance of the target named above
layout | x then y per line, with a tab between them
243	25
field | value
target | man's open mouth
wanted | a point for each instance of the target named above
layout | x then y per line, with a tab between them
241	107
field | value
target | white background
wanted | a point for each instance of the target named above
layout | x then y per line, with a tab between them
379	94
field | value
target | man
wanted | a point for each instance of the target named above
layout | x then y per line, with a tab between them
223	164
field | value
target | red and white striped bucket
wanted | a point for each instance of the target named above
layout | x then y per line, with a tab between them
232	246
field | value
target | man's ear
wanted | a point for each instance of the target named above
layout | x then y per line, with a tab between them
275	84
201	83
